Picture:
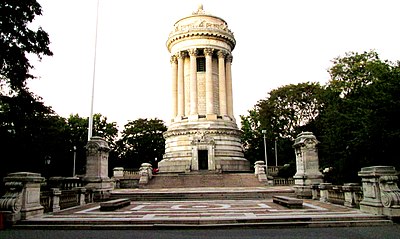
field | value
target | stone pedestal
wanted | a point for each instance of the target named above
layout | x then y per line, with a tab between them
381	194
96	177
351	192
22	198
56	193
307	164
146	173
315	191
259	171
323	190
118	172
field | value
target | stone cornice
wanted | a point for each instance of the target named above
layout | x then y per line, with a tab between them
179	132
217	34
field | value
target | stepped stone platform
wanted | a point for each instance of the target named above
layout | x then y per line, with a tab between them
204	200
214	213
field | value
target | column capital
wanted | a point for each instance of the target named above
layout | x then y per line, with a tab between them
173	59
192	52
208	51
229	58
222	53
181	54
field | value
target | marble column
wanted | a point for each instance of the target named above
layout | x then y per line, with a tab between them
222	83
193	82
174	71
209	82
181	87
229	96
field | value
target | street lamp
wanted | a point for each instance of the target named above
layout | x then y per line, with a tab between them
276	154
265	152
73	172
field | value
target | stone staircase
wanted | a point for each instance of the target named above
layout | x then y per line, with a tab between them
203	179
202	186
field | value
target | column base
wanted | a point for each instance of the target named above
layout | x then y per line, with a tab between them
211	116
193	117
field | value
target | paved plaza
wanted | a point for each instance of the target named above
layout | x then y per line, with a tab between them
203	213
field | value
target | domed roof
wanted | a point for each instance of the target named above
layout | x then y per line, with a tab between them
201	23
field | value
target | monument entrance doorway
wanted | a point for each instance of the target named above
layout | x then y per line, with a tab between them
203	159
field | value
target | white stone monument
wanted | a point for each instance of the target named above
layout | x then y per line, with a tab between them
203	134
307	164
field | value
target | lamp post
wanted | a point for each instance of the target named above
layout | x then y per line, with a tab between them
276	154
73	172
47	161
265	152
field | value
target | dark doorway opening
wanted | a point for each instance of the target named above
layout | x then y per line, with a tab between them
203	159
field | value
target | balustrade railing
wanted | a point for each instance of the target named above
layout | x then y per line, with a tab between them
46	201
283	181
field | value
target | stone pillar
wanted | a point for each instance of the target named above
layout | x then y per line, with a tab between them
259	170
351	192
229	94
55	193
380	191
146	173
96	177
208	52
307	164
118	172
222	83
193	82
324	191
80	191
315	191
174	77
22	198
181	84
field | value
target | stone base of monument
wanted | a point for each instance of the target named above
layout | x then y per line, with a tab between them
303	191
101	188
206	144
10	218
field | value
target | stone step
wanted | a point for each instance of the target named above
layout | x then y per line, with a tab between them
201	193
205	179
115	223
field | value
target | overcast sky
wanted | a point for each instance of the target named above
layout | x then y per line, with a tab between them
278	43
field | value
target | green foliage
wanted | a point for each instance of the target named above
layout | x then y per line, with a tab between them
286	112
17	41
355	117
30	133
142	141
358	124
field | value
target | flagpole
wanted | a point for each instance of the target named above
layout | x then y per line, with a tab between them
90	128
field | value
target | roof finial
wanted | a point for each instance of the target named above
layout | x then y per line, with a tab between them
200	10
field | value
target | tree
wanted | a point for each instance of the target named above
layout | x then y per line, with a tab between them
286	112
17	41
358	123
78	131
30	133
142	141
22	113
